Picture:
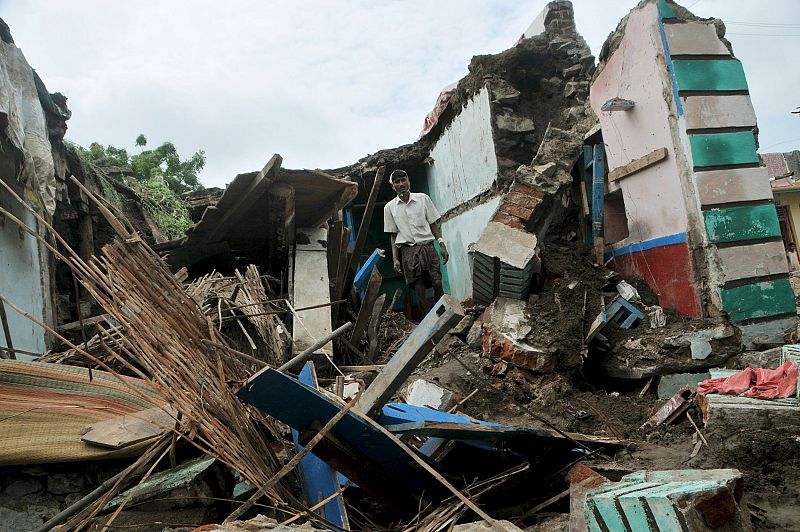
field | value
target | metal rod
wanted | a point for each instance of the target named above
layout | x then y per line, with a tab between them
305	355
287	311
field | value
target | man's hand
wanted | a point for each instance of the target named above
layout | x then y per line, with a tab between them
397	266
445	254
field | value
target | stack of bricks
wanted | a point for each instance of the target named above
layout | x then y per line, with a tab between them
501	352
518	206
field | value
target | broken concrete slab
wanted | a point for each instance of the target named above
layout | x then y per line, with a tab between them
425	393
668	385
512	246
689	500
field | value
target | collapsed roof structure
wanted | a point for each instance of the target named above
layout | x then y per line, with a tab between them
556	179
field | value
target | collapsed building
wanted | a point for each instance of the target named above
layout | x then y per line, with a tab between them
556	179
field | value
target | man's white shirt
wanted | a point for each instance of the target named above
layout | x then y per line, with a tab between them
411	220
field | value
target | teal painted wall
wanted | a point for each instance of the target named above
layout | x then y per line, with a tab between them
709	75
741	223
717	149
758	300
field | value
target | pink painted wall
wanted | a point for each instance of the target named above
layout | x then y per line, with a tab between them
654	202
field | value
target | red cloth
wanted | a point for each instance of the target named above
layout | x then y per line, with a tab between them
757	383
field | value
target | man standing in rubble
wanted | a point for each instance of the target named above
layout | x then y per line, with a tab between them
412	220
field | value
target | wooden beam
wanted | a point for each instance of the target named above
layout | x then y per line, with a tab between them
365	310
372	332
659	154
254	192
124	431
280	218
6	353
361	236
444	315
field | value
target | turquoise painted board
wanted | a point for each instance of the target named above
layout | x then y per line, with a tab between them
758	300
665	10
709	75
741	223
717	149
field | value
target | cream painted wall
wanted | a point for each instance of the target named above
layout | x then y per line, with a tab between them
464	160
654	202
792	200
458	234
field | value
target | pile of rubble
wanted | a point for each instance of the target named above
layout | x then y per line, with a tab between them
267	371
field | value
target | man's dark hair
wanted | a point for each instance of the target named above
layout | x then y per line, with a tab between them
397	173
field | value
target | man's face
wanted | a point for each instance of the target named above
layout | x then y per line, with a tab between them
401	185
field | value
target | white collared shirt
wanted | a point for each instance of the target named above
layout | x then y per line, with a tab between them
412	220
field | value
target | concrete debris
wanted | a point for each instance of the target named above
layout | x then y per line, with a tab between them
424	393
694	500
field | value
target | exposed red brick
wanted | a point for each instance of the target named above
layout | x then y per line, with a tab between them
580	472
523	200
506	219
527	190
718	509
516	210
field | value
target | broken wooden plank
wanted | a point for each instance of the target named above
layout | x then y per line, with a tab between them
124	431
86	321
280	223
378	310
361	236
444	315
9	352
353	446
320	481
659	154
365	310
256	189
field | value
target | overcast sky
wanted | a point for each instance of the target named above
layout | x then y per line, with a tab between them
324	82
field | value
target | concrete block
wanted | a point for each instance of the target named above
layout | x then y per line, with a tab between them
668	385
694	38
709	75
515	247
733	185
719	149
424	393
755	335
688	500
742	262
741	223
758	300
735	110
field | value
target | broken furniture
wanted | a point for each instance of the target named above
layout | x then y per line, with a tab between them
621	313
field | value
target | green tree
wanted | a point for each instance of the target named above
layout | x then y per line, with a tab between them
162	162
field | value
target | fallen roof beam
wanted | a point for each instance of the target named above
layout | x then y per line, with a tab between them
444	315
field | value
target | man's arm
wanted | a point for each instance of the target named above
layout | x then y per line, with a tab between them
437	234
396	254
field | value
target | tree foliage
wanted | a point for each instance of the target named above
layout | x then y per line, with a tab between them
162	163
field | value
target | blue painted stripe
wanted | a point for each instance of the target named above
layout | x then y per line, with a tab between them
670	240
670	66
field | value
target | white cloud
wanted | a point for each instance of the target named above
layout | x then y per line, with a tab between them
323	83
